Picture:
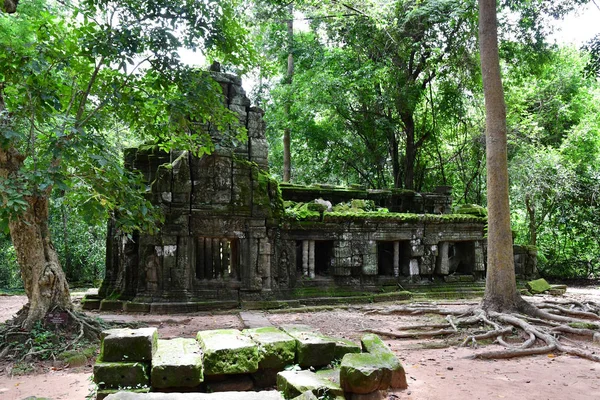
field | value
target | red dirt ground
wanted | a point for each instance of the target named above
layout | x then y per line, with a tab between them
436	370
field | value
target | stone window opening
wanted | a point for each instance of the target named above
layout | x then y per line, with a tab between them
461	258
314	257
216	258
392	257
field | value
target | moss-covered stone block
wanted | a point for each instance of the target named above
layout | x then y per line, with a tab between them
295	383
363	373
373	344
276	349
177	363
228	351
128	344
538	286
312	348
343	347
116	375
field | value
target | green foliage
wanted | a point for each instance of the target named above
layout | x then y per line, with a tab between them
10	275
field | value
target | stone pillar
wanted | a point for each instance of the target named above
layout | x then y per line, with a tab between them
311	258
414	268
443	265
305	257
396	258
479	264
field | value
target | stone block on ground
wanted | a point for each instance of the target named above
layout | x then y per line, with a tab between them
102	394
265	377
177	363
265	395
276	349
295	383
344	346
373	344
363	373
228	351
128	344
115	375
312	348
308	395
231	383
538	286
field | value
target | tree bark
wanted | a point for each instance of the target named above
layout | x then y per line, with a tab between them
10	6
532	225
411	151
287	158
43	278
501	289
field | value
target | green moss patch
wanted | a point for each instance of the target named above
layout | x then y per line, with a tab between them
228	351
538	286
121	375
177	363
312	348
276	349
363	373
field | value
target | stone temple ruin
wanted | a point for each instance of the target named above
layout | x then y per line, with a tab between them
233	236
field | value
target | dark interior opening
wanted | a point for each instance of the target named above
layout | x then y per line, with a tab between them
216	258
385	258
461	256
323	257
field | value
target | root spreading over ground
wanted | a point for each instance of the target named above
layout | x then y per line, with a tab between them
542	329
47	340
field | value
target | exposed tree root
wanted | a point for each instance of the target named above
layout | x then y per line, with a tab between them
527	331
47	340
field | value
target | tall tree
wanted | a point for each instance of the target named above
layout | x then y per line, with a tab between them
501	287
287	151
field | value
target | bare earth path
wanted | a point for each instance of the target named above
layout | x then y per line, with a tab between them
433	373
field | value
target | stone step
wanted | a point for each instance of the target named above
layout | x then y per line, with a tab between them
177	363
228	351
253	319
265	395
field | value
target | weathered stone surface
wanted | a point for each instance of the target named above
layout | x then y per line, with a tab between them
308	395
538	286
276	349
237	383
271	395
228	351
376	395
116	375
177	363
373	344
128	344
344	346
362	373
312	349
294	383
101	394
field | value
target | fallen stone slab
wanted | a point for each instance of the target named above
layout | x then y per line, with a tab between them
276	349
266	395
228	351
363	373
128	344
295	383
538	286
177	363
312	348
115	375
391	365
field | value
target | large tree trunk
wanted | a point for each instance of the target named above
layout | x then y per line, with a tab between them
44	280
287	157
411	150
501	289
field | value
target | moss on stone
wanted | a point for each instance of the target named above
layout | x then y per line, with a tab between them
471	209
538	286
387	359
228	351
276	349
115	375
294	383
128	344
363	373
177	363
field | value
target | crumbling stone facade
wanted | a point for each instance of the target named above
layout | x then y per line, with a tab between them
228	236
